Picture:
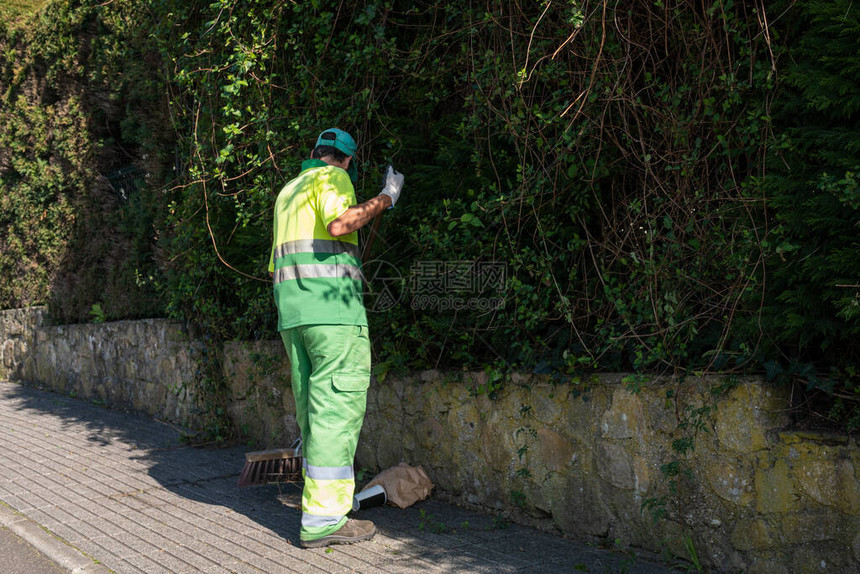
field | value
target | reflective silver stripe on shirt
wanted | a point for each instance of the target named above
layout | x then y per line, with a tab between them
311	271
316	246
329	472
313	521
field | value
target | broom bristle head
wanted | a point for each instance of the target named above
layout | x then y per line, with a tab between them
266	467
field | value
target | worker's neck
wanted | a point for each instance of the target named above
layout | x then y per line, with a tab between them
341	164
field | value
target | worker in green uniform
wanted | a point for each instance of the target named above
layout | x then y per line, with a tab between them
318	279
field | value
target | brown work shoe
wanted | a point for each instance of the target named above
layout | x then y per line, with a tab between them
352	531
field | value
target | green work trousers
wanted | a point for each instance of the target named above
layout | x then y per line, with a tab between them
330	378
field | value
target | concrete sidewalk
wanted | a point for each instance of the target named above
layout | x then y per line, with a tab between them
99	490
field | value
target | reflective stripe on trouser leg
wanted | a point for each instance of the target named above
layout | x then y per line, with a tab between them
331	374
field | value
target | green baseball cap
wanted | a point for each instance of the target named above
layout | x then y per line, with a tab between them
342	141
338	139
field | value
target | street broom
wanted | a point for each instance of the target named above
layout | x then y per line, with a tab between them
271	466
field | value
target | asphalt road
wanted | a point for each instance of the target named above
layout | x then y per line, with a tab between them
18	557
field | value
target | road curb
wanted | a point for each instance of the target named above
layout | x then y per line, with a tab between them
56	549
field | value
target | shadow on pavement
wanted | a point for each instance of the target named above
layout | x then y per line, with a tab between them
192	492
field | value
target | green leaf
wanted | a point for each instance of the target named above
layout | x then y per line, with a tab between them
471	219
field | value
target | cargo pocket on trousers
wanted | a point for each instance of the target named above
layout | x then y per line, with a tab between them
351	383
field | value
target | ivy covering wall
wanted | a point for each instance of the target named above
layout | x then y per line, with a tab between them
81	98
661	186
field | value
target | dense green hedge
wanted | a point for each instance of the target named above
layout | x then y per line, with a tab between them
808	310
667	186
558	139
82	95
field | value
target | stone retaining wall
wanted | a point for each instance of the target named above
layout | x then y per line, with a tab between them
17	336
141	365
702	469
596	460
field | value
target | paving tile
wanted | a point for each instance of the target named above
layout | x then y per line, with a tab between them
79	531
240	568
141	563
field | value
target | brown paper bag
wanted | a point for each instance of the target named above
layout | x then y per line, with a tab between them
404	485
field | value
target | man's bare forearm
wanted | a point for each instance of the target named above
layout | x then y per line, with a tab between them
358	216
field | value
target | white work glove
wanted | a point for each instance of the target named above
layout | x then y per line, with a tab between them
392	185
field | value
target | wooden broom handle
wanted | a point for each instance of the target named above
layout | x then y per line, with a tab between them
374	229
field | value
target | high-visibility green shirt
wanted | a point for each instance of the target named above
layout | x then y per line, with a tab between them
318	277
